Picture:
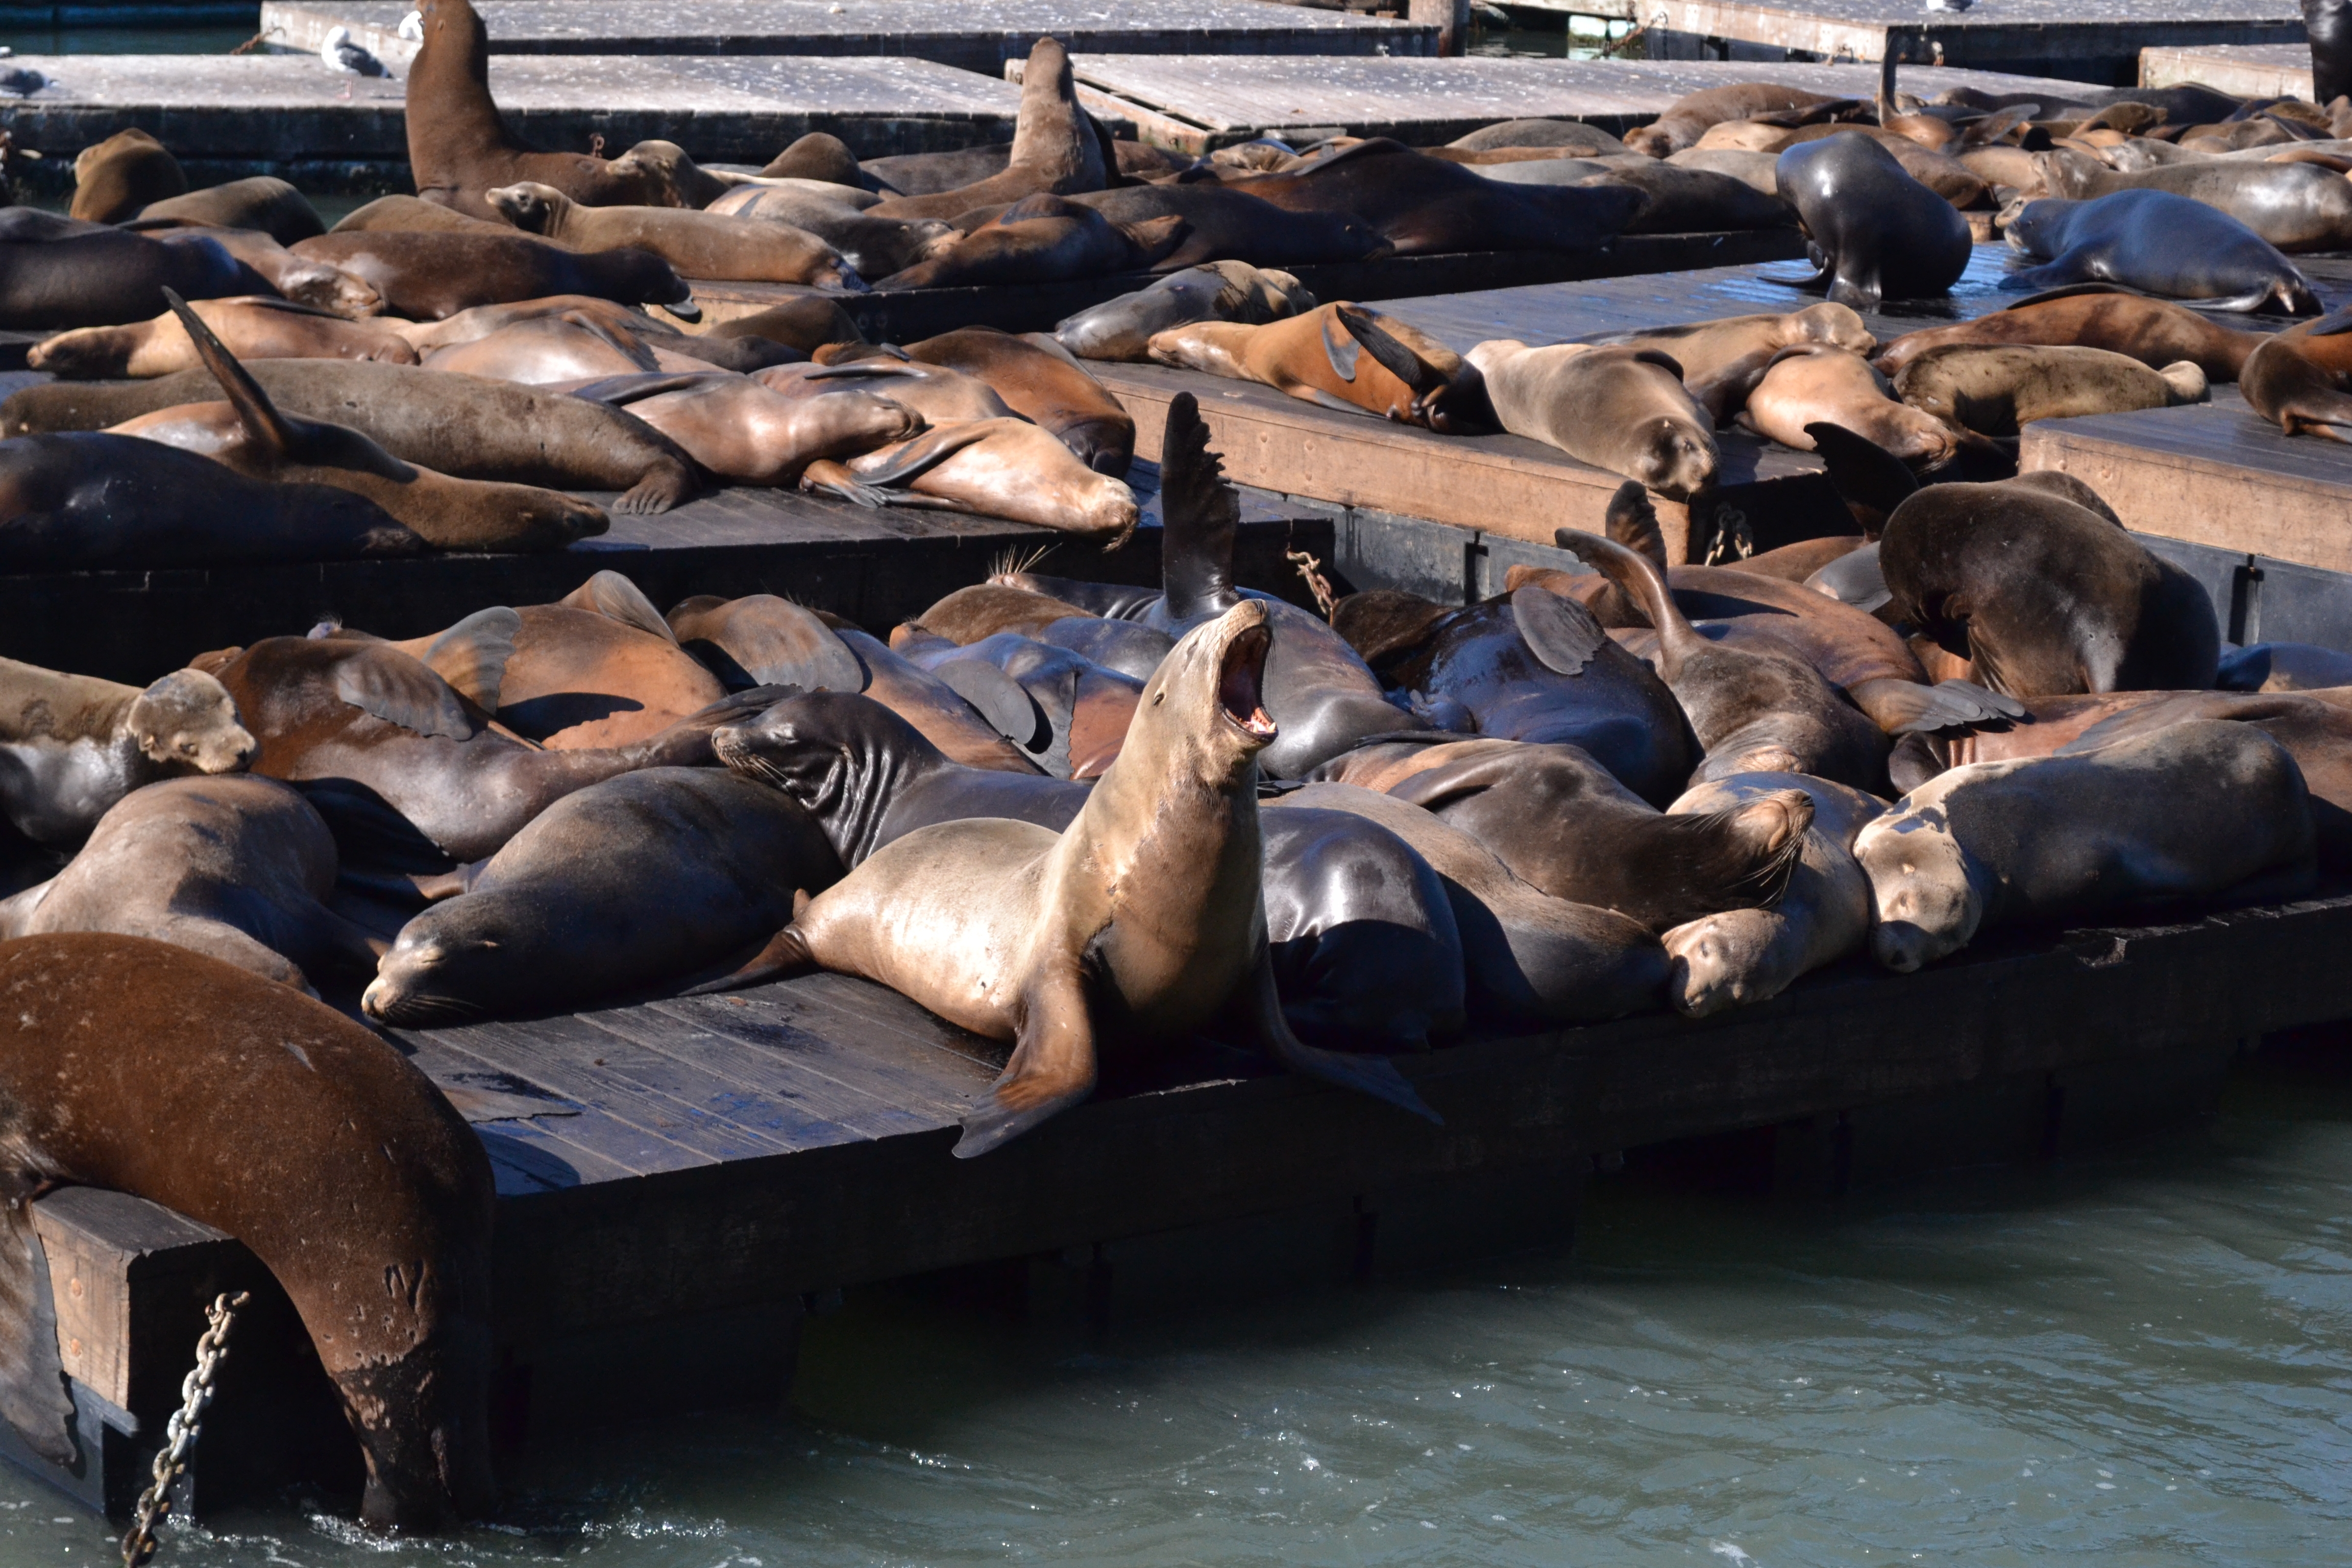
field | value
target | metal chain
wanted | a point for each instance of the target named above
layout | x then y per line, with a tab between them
180	1432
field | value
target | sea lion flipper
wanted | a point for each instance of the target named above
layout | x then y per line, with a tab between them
472	655
259	416
784	954
1901	707
382	681
1388	350
1633	521
1373	1075
32	1376
1053	1065
1643	583
615	597
1561	632
1870	480
1010	711
1343	353
1199	513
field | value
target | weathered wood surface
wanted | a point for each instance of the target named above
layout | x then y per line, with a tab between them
1195	102
971	35
2251	70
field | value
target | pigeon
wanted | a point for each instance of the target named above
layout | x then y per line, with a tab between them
340	54
22	82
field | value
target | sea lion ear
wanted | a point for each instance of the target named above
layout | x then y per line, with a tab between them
1870	480
32	1377
614	596
385	682
1560	632
259	416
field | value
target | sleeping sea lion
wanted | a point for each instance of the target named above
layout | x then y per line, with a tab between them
1040	382
2294	206
116	177
1223	225
72	746
554	351
943	396
874	247
998	468
253	328
1143	919
262	202
762	640
54	274
1874	232
1675	199
1122	328
985	609
426	276
696	244
2159	242
1996	389
321	1149
623	326
2155	332
742	431
1043	238
1621	408
2298	379
1705	350
1687	119
1424	204
1055	149
1344	356
1813	384
414	215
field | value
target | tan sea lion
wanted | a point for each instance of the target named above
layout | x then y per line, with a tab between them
739	429
1042	383
941	395
697	244
1995	389
2298	380
253	328
1707	350
558	349
1816	384
876	246
71	746
1342	355
1689	116
2157	333
806	322
321	1148
762	640
1143	919
414	215
1620	408
985	609
301	280
116	177
1054	148
999	468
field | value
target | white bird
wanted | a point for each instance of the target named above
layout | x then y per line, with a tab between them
412	26
340	54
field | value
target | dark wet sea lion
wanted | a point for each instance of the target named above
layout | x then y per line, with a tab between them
1995	389
236	868
1043	238
2294	206
1346	356
762	640
116	177
459	146
467	428
262	202
1565	826
428	277
637	881
1875	232
695	244
2155	332
1143	920
2187	811
321	1148
1043	387
253	328
1226	225
299	280
2164	244
1688	117
105	278
1122	328
2042	594
1623	409
1056	149
1423	204
936	709
72	746
2328	26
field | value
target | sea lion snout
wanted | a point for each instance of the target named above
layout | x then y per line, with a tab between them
1241	680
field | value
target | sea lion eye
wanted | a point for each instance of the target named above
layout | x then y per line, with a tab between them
187	748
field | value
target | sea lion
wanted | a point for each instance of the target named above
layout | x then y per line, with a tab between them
54	275
937	710
1796	563
2297	380
1423	205
426	276
2155	332
1122	328
2294	206
469	428
1522	133
1055	149
116	177
1874	231
250	435
1231	226
261	202
762	640
1995	389
72	746
240	868
2185	812
253	328
1043	238
983	609
876	246
817	156
1623	409
1676	199
1687	119
1073	714
1959	186
1567	828
321	1149
1040	382
2158	242
998	468
1741	957
299	279
1760	171
414	215
1346	356
1145	913
638	882
1707	350
1815	384
742	431
623	326
557	350
695	244
804	323
2283	667
459	146
1753	709
941	395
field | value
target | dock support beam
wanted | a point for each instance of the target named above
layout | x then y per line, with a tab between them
1450	17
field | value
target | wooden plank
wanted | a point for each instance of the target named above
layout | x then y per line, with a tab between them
603	1127
2250	70
762	1091
871	1066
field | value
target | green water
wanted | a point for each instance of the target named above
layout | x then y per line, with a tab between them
2139	1360
125	41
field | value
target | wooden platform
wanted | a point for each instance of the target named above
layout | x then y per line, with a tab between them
971	34
1194	102
2088	41
2251	70
228	116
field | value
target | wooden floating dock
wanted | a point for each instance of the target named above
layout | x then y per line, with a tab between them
2250	70
1192	103
227	116
971	35
2091	40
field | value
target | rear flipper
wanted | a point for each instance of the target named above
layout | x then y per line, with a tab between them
1901	707
1053	1065
1372	1075
785	954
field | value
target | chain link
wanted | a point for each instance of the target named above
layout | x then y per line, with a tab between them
1318	585
180	1433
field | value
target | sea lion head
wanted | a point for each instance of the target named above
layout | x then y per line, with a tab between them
838	756
1203	711
188	722
532	207
443	959
1928	898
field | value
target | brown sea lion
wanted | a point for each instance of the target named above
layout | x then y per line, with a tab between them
1231	226
71	746
1795	563
937	710
1054	149
300	280
426	276
740	430
1143	919
2157	333
1707	349
414	215
2184	812
1816	384
2298	380
1040	382
1676	199
985	609
696	244
559	350
459	146
116	177
805	322
1997	388
238	868
262	202
321	1149
943	396
1342	355
998	468
1423	205
762	640
1687	119
876	246
627	328
1043	238
1621	408
253	329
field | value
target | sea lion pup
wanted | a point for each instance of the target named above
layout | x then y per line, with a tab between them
2186	812
459	146
997	467
2156	241
2157	333
1753	709
1566	827
323	1150
426	276
1688	117
116	177
1741	957
1346	356
762	640
1423	204
1043	240
262	203
740	430
640	882
1622	409
407	771
2043	594
1707	349
876	246
254	328
2294	206
238	868
1143	919
1874	232
2298	379
1069	713
470	428
1122	328
1996	389
1812	384
1529	961
1054	149
71	746
697	244
250	434
1040	382
943	396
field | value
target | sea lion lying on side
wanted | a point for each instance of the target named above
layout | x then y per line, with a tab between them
1122	328
71	746
252	327
697	244
1619	408
1342	355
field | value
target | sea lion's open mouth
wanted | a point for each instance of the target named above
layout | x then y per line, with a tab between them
1239	682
